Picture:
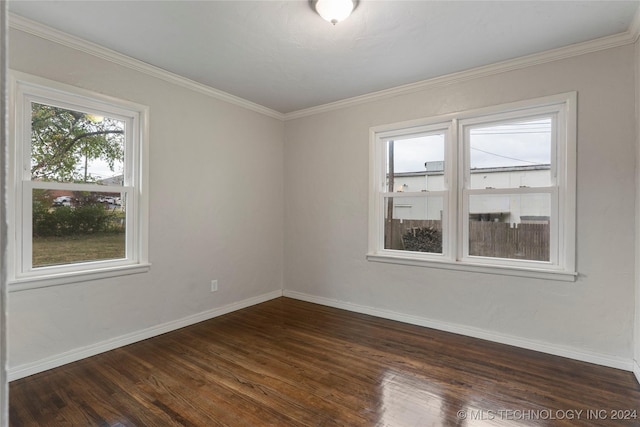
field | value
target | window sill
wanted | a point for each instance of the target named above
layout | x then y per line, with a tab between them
536	273
26	283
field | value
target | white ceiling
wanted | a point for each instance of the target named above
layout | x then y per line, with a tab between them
283	56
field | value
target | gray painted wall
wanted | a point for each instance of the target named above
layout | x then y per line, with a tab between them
207	220
326	187
4	408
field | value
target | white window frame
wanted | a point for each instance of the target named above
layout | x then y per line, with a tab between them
26	89
414	129
455	256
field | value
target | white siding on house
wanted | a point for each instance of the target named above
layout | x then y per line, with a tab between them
536	176
417	208
505	208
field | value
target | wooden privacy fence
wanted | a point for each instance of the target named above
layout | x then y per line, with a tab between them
487	239
398	227
503	240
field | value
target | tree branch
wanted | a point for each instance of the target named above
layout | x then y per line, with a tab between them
62	151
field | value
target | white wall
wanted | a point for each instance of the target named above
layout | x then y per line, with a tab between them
4	392
636	366
207	220
326	187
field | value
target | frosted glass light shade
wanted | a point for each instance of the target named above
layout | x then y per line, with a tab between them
334	11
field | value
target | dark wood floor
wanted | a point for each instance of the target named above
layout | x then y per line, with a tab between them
291	363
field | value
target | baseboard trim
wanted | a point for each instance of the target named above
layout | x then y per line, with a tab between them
571	353
57	360
636	370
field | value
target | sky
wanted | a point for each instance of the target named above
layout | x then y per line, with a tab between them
514	144
100	169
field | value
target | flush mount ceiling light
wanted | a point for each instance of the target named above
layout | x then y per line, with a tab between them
334	11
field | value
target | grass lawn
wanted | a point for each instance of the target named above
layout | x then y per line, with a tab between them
71	249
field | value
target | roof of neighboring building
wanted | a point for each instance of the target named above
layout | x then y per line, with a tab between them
440	171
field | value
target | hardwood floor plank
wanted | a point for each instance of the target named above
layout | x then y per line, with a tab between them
291	363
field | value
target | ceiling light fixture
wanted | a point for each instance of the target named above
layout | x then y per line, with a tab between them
334	11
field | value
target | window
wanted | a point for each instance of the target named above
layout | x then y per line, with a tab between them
78	185
489	190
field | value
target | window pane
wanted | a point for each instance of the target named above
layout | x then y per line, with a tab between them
515	226
415	164
74	146
413	224
511	155
73	226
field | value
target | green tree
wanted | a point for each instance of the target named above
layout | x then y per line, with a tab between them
63	142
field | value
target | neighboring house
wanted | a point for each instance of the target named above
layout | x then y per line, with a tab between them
517	208
114	180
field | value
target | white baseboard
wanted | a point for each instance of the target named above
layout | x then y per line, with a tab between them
57	360
572	353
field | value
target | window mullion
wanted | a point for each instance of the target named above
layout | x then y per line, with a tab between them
453	187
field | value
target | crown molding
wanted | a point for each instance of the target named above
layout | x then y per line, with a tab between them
40	30
634	28
628	37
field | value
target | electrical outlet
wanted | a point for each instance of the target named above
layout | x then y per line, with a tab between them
214	285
